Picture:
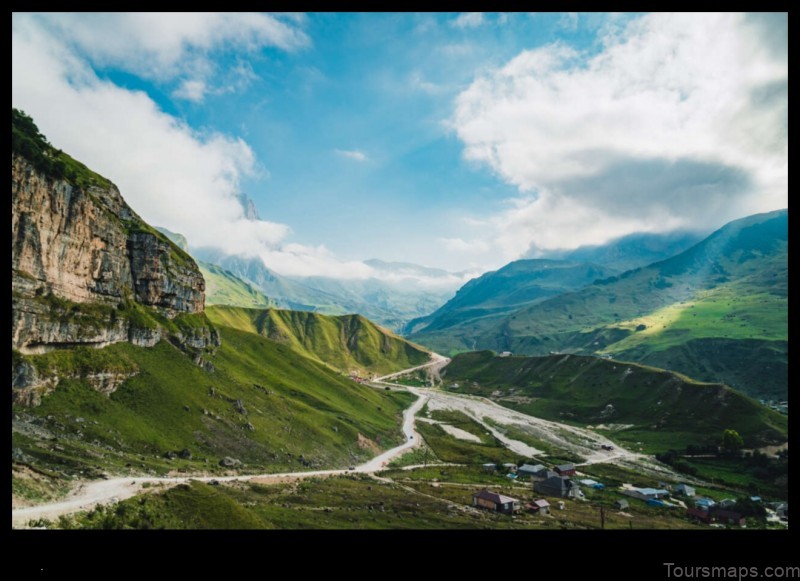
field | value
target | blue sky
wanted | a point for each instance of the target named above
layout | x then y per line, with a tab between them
460	141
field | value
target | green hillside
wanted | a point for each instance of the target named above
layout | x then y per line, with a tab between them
347	342
225	288
263	404
658	408
732	287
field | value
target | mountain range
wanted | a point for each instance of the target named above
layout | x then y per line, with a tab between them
716	311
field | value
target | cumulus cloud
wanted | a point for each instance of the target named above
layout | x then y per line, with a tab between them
681	120
171	174
352	154
468	20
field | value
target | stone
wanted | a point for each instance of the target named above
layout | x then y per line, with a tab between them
185	454
229	462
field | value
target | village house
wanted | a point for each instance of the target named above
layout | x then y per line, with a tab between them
621	504
542	474
782	511
592	484
646	493
685	490
726	516
566	469
699	514
539	506
703	503
530	470
495	502
558	486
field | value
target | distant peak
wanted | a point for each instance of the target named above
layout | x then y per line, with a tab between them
250	210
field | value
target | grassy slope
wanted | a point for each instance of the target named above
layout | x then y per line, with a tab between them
345	342
729	290
666	410
225	288
483	302
295	405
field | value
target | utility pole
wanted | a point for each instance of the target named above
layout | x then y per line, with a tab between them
602	517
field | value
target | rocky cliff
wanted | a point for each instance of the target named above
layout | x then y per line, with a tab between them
85	268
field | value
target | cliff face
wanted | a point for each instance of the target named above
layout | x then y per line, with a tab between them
86	270
86	246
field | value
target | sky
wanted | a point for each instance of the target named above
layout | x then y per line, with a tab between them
460	141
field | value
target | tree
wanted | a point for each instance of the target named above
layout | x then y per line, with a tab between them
732	441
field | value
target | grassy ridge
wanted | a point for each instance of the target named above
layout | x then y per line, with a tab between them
292	412
225	288
731	287
665	410
346	342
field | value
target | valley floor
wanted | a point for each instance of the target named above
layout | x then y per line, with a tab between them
448	485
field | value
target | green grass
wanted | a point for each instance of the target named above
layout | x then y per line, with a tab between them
450	449
295	407
346	342
225	288
666	410
698	313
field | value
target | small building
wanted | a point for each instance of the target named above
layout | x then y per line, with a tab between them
699	514
755	498
542	474
560	505
782	510
621	504
730	517
530	470
592	484
566	469
685	490
646	493
704	503
505	354
495	502
539	506
511	467
726	503
489	467
558	486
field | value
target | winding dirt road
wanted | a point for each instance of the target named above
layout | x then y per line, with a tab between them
89	494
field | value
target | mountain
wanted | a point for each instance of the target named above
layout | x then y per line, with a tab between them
86	270
717	311
408	269
225	288
222	286
483	301
637	404
286	293
116	367
632	251
346	343
391	303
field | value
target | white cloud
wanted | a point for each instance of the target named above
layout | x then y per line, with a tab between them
191	90
680	121
352	154
170	174
163	44
468	20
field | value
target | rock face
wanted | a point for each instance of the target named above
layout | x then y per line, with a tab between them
86	270
86	245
